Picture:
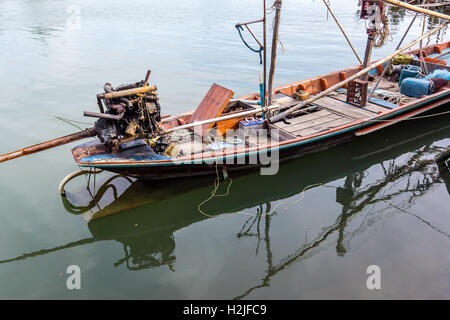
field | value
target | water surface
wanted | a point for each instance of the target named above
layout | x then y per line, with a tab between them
381	200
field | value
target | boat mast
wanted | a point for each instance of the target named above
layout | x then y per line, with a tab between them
276	26
368	53
371	10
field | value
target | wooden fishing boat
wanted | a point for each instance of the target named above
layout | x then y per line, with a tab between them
329	121
130	193
265	128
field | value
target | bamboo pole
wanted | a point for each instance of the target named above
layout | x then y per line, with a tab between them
218	119
253	35
274	48
284	114
87	133
434	5
343	32
417	9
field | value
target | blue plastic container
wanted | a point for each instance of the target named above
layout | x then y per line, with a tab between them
413	87
409	71
444	74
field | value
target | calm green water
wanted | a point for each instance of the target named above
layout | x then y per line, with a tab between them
382	200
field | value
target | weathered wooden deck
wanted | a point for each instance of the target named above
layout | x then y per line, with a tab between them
333	111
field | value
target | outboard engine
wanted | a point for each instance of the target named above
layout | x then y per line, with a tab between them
128	112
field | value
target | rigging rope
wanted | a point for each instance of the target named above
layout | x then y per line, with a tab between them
239	28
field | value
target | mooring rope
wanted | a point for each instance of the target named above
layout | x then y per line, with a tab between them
216	187
213	193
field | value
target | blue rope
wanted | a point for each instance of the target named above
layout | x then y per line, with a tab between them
239	29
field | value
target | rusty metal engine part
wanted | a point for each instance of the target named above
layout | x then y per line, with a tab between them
130	111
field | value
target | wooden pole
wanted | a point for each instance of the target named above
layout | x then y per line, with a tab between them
273	57
417	9
343	32
146	77
368	54
253	35
222	118
284	114
49	144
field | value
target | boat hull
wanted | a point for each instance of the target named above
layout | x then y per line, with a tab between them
286	152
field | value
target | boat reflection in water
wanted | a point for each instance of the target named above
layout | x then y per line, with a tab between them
156	210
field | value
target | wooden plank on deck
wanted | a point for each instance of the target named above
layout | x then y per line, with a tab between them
369	105
321	127
303	117
314	122
342	108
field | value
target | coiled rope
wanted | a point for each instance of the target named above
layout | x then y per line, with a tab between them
382	34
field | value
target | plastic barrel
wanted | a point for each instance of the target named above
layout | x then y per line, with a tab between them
409	71
413	87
